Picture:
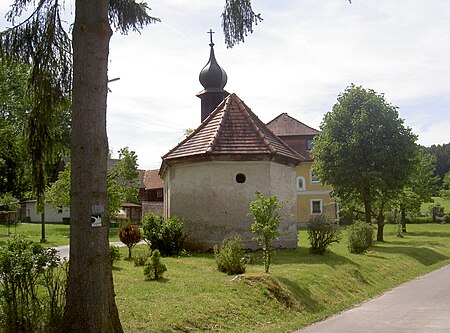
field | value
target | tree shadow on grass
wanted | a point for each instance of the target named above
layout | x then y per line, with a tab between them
302	295
423	255
442	234
302	255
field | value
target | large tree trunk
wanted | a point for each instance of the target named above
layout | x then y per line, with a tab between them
90	297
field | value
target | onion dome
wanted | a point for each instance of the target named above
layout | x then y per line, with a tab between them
213	77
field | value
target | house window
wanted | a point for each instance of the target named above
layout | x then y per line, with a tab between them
159	193
309	144
240	178
300	183
316	206
314	179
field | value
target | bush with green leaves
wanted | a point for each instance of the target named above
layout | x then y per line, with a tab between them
140	256
130	236
33	287
8	202
114	254
360	236
322	232
230	257
266	221
166	235
154	269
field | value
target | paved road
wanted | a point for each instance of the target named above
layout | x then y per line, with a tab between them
419	306
64	249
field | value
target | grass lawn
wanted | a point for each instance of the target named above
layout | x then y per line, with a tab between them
56	234
302	288
444	202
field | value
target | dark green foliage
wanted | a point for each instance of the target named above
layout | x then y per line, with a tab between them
154	269
166	235
360	237
322	232
230	257
130	236
442	153
114	254
33	287
238	18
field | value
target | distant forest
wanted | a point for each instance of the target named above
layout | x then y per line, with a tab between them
442	153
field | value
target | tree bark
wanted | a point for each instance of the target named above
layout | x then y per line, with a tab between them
403	217
90	296
367	207
380	223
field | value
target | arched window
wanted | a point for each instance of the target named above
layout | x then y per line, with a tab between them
300	183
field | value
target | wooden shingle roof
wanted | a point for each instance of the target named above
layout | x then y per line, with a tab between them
233	132
285	125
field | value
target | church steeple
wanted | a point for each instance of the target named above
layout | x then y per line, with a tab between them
213	79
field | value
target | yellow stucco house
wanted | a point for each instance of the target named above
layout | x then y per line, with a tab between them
313	198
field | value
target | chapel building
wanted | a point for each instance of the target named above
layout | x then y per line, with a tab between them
212	175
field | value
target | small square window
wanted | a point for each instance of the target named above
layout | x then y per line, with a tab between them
159	193
309	144
314	179
316	207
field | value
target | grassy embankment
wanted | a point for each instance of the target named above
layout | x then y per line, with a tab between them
302	288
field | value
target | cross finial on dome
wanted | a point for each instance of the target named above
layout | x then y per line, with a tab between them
210	32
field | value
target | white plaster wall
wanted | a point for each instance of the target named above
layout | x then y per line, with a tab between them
214	206
51	214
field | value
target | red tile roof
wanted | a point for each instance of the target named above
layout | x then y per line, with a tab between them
232	131
150	179
285	125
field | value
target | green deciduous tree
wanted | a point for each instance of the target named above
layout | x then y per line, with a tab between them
419	188
125	173
265	213
364	151
121	187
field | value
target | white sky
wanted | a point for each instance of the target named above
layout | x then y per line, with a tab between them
298	60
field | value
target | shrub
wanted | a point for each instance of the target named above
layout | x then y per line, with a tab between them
130	236
266	221
360	237
230	258
154	269
114	254
165	235
140	257
33	287
422	219
322	232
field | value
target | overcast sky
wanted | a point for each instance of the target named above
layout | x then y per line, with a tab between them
298	60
